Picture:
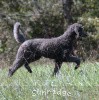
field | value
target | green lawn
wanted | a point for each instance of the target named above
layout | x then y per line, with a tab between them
82	84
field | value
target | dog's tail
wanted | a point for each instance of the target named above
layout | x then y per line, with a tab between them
18	34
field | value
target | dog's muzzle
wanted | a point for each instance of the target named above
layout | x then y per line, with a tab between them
84	34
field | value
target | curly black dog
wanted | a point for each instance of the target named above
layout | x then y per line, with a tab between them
58	48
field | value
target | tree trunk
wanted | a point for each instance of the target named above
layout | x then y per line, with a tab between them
67	5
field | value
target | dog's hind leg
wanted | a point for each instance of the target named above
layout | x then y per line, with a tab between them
26	65
57	67
17	64
31	59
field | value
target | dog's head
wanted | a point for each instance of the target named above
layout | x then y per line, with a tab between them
78	30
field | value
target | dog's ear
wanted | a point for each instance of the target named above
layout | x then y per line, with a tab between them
76	31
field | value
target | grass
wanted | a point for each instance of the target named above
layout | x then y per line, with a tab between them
82	84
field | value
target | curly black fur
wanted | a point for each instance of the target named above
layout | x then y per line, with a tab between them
58	48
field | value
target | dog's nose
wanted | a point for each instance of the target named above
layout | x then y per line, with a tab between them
84	34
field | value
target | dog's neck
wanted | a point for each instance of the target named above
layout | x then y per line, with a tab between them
67	38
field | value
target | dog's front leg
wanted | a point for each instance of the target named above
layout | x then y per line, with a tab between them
73	59
57	67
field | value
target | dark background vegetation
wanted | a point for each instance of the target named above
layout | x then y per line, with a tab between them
48	18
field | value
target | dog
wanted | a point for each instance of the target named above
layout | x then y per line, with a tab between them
58	48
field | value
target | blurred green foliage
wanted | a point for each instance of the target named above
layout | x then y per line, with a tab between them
45	18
